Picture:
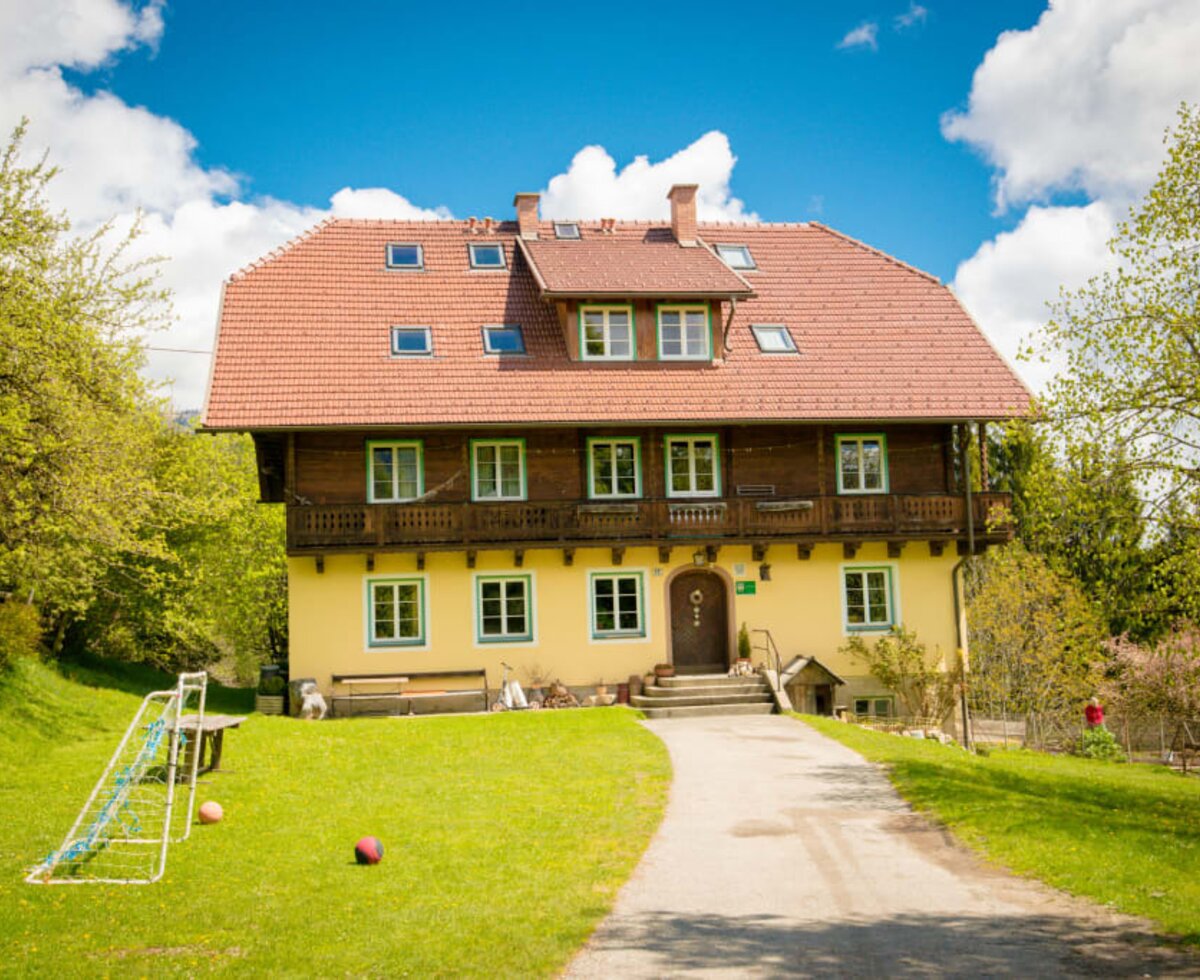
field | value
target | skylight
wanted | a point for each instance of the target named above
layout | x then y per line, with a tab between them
773	338
405	256
487	256
411	341
504	338
566	229
736	256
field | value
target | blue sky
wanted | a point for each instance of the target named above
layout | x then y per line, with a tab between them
994	144
462	109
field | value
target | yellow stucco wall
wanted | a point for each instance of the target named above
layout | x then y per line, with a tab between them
802	605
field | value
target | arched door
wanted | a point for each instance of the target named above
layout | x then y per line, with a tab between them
699	622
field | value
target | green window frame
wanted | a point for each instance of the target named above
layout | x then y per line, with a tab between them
684	332
862	462
617	601
614	467
498	469
396	612
504	608
599	332
868	597
701	471
395	470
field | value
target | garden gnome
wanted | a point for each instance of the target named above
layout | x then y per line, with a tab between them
1094	713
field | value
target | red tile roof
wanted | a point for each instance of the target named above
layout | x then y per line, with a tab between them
650	264
303	339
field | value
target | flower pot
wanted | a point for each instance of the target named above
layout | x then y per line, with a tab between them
664	670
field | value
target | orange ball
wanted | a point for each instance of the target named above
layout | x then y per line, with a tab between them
211	812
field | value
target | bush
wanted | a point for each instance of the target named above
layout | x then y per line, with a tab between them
1100	743
20	631
901	663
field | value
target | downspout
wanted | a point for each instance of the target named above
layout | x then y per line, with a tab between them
956	583
728	324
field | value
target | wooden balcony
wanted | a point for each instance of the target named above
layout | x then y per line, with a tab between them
323	528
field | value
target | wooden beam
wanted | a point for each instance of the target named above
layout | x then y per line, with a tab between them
470	559
518	557
804	551
821	460
850	548
370	561
936	548
983	457
618	555
420	561
710	553
895	547
289	476
568	556
320	564
664	554
758	552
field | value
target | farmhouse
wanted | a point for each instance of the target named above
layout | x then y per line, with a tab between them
585	448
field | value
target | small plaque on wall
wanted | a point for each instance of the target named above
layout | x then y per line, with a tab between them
748	587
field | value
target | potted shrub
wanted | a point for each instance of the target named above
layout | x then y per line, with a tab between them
268	696
664	670
743	645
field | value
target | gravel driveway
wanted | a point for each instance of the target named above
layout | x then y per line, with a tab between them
784	853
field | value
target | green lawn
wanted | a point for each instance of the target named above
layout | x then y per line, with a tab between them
506	838
1128	835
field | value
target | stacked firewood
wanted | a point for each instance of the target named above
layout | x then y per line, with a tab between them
557	696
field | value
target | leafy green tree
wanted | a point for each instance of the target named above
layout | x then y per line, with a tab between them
901	663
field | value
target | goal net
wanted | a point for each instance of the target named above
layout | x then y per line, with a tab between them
122	833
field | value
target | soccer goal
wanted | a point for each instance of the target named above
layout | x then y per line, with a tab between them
122	833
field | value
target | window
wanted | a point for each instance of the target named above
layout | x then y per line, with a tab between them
395	612
614	468
411	341
736	256
504	338
874	707
394	471
406	257
486	256
568	230
606	333
693	469
498	469
862	464
683	333
868	598
773	338
504	609
617	607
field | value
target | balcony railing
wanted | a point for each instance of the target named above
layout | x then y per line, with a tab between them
326	527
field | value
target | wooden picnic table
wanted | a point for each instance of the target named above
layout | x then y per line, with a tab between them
212	737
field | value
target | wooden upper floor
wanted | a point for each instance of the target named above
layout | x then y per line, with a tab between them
517	487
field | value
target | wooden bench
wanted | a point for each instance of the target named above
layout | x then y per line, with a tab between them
212	738
354	684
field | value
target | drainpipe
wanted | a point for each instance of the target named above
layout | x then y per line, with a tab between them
956	583
728	324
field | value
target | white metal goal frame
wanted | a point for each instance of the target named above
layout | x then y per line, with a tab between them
122	834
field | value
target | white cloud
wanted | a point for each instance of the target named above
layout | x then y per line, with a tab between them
865	35
1077	103
379	202
1080	100
592	187
914	15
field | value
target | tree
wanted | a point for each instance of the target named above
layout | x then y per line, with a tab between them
901	663
1158	679
1131	338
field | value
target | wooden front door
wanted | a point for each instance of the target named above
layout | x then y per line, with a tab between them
699	623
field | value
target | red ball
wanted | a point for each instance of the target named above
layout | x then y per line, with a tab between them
369	850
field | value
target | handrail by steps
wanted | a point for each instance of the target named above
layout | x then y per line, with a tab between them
772	650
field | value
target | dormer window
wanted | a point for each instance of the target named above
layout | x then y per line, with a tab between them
411	341
489	256
736	256
684	333
504	338
567	230
773	338
606	333
406	256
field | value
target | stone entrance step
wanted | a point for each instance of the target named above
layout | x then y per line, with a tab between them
708	680
693	699
701	710
705	694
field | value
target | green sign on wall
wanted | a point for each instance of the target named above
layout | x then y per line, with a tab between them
746	588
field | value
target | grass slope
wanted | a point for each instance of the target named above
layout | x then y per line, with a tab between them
506	838
1126	835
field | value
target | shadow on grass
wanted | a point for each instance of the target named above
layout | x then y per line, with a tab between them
141	679
912	945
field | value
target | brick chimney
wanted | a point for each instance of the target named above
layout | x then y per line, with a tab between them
683	213
527	214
